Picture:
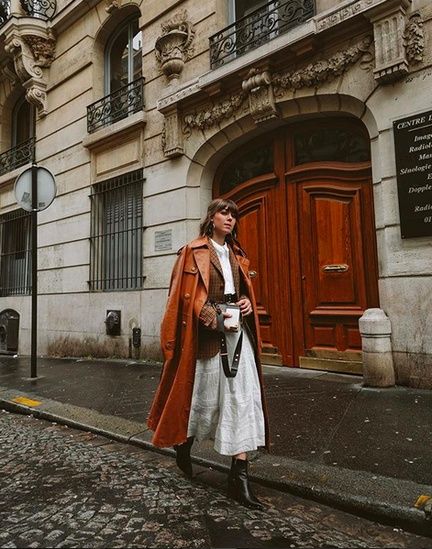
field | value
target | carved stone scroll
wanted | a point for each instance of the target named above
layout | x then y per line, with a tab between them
32	49
258	86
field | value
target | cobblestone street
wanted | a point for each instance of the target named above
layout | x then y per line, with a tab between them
60	487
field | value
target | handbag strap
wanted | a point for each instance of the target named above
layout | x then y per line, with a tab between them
230	372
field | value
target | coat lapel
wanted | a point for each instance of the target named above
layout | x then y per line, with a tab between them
202	260
215	259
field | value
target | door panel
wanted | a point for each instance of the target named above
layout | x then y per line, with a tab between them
307	225
332	262
254	230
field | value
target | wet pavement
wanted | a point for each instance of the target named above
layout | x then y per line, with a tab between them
66	488
363	449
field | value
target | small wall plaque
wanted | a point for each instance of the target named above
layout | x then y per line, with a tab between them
163	240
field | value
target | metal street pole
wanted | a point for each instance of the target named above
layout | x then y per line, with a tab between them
33	362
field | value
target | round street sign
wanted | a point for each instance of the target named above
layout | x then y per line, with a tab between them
46	189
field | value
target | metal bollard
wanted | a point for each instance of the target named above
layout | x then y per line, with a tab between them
378	368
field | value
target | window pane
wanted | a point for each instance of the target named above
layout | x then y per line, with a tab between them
137	53
15	253
22	122
119	61
116	233
331	144
255	162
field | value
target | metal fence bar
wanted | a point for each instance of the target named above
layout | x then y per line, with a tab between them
40	9
15	253
264	24
17	156
4	11
117	105
116	233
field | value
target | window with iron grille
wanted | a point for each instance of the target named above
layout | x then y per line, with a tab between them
15	253
116	233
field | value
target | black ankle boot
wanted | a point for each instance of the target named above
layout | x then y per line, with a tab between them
239	487
183	458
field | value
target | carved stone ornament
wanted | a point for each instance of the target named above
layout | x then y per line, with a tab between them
258	85
323	70
112	5
43	48
261	87
414	38
30	54
389	22
226	108
175	45
172	137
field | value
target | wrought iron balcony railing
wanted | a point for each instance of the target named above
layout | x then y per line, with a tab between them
117	105
42	9
257	28
4	11
17	156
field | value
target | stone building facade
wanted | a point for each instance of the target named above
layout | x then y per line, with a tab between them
144	111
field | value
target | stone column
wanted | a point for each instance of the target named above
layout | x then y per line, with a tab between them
375	329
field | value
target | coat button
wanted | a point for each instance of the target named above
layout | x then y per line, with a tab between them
187	296
184	323
193	269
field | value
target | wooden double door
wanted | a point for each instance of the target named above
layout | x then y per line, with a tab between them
307	224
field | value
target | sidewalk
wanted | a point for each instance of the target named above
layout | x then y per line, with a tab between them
365	450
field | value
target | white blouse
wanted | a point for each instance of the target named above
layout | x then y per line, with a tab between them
223	255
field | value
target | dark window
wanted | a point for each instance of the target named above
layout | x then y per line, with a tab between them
123	57
15	253
331	144
23	122
116	233
255	162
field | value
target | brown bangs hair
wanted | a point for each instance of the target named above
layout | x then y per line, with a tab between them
217	205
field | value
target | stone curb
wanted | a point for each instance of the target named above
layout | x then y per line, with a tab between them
354	491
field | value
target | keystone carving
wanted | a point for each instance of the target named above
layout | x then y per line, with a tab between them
175	45
258	86
414	38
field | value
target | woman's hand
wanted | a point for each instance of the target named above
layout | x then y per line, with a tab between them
245	306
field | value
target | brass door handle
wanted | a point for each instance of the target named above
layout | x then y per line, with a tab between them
253	274
337	268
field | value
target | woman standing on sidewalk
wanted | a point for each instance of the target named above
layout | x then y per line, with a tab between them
195	398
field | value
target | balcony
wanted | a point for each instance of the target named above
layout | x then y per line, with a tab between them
116	106
4	11
257	28
40	9
17	156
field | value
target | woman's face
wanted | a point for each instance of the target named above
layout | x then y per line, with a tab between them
224	222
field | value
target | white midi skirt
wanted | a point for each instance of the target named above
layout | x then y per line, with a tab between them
228	410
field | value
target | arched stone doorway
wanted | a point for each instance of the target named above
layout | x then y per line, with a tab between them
307	223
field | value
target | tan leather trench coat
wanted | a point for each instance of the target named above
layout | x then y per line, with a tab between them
169	413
